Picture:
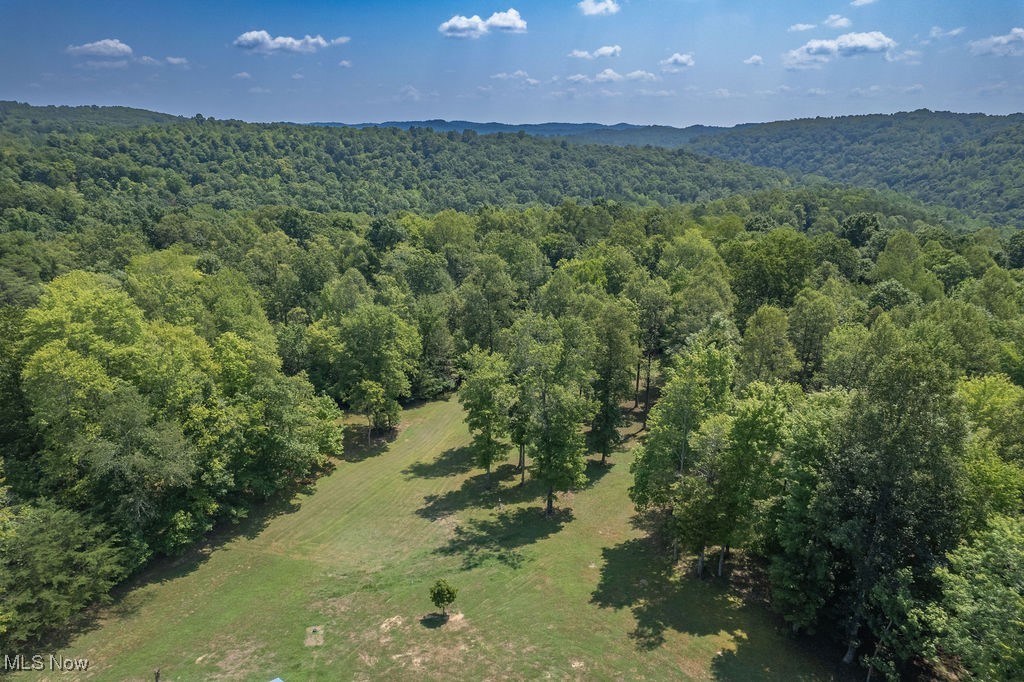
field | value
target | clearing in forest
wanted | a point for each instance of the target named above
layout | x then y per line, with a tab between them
334	585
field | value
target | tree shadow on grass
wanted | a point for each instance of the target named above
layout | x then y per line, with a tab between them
356	449
501	538
596	471
451	462
433	621
638	576
474	493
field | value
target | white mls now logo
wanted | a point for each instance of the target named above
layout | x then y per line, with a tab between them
51	662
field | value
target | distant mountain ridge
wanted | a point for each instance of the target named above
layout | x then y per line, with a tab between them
971	162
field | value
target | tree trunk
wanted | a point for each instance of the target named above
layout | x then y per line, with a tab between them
488	476
851	649
636	389
721	561
522	464
647	389
604	458
700	563
551	500
369	430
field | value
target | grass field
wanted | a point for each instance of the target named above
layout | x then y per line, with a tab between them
582	595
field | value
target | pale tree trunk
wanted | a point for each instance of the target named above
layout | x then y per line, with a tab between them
636	389
721	560
522	464
700	563
551	500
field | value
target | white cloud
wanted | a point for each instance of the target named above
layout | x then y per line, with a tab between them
410	93
519	75
578	78
243	75
754	59
800	27
1009	45
298	77
908	56
177	61
108	47
345	64
603	92
656	93
460	26
814	53
264	43
677	62
508	20
608	75
861	3
604	51
105	64
937	33
148	61
591	8
875	90
641	75
837	21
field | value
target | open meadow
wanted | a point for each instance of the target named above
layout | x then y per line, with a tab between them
582	595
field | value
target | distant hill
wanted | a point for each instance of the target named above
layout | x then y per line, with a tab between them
19	117
972	162
232	164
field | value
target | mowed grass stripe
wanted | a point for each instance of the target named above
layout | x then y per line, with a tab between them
582	596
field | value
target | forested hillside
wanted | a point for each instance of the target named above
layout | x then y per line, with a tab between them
190	307
970	162
230	164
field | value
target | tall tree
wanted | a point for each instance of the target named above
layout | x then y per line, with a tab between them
487	396
616	332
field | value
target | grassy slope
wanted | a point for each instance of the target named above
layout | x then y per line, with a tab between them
578	596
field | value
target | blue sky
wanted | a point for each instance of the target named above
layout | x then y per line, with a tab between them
673	62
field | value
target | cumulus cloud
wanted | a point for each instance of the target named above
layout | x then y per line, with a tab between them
814	53
641	75
591	8
578	78
177	61
608	75
345	64
148	61
264	43
243	75
837	21
754	59
861	3
800	27
108	47
604	51
677	62
1009	45
460	26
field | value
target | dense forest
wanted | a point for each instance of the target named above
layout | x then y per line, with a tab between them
190	306
970	162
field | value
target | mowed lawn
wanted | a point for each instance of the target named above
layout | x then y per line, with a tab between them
583	595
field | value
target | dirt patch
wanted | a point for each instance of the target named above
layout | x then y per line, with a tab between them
456	621
392	622
367	660
315	635
238	660
577	665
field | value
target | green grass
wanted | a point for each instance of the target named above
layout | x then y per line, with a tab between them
582	595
